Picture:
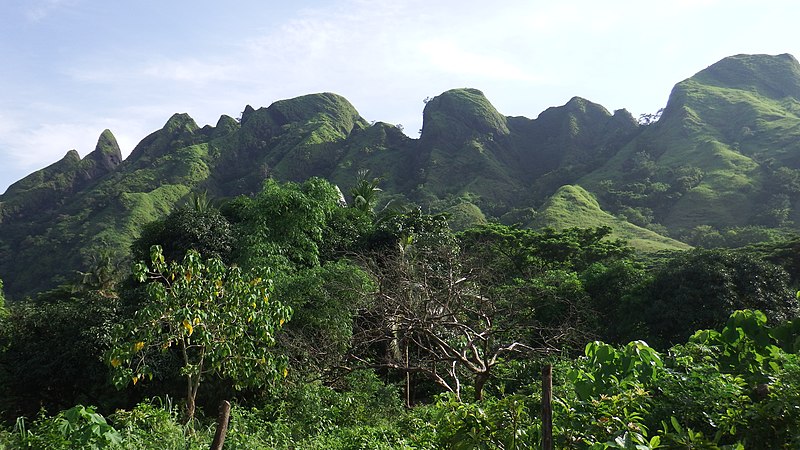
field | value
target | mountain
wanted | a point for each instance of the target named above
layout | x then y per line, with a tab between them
723	156
725	152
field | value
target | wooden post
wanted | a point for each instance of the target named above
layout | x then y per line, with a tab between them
408	381
222	425
547	407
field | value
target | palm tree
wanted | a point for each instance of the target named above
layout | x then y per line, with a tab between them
365	191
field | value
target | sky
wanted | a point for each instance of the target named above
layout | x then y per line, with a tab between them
73	68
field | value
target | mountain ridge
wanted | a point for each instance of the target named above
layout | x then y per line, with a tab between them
723	154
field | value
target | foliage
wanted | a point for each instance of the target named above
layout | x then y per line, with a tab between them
202	229
696	395
153	425
608	369
283	226
745	346
505	423
365	191
220	320
77	427
51	352
701	288
325	301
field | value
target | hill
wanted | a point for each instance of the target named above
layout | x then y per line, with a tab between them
573	206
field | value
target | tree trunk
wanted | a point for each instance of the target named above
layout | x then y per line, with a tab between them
190	405
192	384
480	380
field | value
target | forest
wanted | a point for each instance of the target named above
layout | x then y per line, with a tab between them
330	322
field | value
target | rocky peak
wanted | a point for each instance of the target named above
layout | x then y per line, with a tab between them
106	155
461	112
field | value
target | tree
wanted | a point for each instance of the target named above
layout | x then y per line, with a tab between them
220	320
284	225
700	289
51	352
200	228
325	300
444	311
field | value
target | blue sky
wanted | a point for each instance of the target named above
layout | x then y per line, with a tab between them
72	68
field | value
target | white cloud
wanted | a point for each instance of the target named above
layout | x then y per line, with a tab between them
448	56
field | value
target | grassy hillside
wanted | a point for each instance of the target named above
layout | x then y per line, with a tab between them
573	206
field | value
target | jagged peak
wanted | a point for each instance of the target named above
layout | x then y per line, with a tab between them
248	111
65	165
225	121
582	105
107	154
459	109
179	126
70	156
225	125
576	107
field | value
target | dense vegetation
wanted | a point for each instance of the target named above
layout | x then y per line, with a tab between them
341	325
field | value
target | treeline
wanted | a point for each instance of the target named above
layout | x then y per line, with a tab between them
333	325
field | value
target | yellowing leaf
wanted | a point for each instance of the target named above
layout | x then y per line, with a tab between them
197	321
280	322
115	362
188	326
135	379
138	346
188	276
285	372
253	304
